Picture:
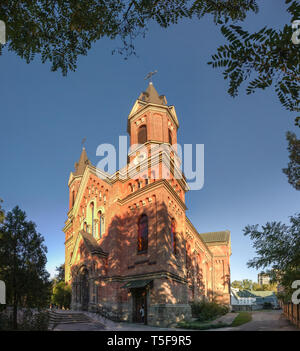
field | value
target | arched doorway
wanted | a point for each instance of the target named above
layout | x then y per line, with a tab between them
139	296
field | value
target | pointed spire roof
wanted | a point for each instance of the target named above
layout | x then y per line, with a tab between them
82	163
146	99
151	96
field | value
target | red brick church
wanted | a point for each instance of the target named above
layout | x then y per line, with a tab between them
128	242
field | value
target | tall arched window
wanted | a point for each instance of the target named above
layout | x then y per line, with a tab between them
100	225
85	227
73	197
173	237
142	134
92	217
143	233
170	137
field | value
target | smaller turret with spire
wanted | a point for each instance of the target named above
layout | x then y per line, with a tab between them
82	163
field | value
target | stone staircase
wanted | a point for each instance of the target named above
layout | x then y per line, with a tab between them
57	317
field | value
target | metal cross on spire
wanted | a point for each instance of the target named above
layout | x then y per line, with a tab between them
83	141
149	75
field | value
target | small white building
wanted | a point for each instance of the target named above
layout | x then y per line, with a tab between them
237	300
251	300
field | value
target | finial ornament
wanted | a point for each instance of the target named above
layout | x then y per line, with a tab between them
149	75
83	141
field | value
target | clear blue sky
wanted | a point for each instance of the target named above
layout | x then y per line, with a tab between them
44	117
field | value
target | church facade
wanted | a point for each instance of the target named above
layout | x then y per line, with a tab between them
128	242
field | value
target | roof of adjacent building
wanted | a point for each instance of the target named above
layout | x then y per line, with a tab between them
254	293
210	237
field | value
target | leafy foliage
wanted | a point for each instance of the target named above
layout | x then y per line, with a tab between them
265	58
265	287
1	212
61	295
62	30
60	277
22	262
267	306
197	325
244	284
205	311
293	169
224	10
247	284
29	321
277	247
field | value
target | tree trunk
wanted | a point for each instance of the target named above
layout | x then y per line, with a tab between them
15	312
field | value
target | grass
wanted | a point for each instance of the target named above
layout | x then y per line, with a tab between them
242	318
201	325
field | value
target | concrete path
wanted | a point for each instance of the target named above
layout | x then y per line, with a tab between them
261	321
265	321
93	326
99	323
228	318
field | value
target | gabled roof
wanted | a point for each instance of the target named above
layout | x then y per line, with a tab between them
222	236
91	244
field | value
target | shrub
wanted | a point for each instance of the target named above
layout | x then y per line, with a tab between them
200	325
61	295
267	306
5	321
27	320
34	321
205	311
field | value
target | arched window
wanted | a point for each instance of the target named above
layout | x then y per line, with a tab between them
143	233
100	224
92	217
73	197
173	237
142	134
85	227
170	137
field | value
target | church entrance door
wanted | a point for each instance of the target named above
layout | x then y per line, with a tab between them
139	305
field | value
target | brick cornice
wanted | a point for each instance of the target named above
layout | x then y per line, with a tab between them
151	187
152	275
